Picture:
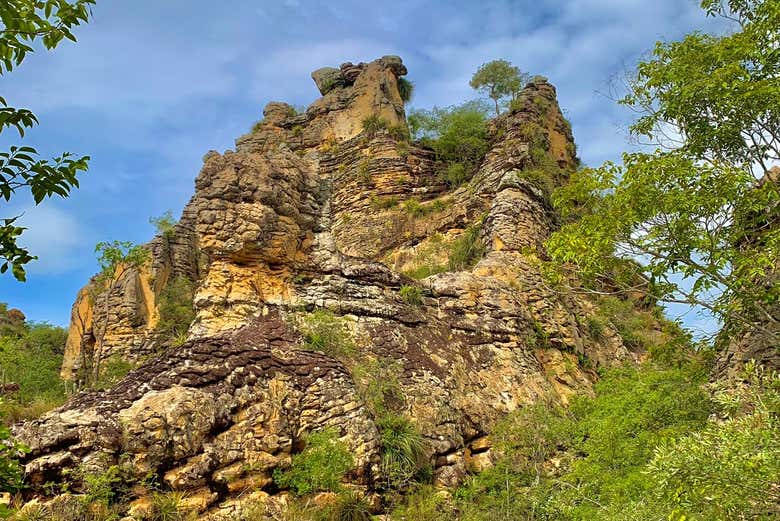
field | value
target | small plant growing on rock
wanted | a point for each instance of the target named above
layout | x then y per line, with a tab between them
363	171
169	506
324	331
320	467
175	309
467	249
405	89
373	124
164	224
411	295
349	506
384	203
403	451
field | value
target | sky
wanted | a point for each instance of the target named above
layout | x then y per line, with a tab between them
151	86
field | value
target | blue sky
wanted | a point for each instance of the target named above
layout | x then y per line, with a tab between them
152	85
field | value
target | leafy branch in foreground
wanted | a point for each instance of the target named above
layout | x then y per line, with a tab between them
696	221
22	24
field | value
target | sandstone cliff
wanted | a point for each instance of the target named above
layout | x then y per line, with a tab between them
312	213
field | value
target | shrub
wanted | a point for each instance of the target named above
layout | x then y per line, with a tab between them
405	89
731	468
363	171
164	224
425	271
114	369
425	503
544	180
175	308
320	467
417	209
456	174
324	331
11	472
31	356
378	385
399	132
411	295
467	249
384	203
457	135
373	124
403	451
169	506
349	506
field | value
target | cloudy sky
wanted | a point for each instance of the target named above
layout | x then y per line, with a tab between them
152	85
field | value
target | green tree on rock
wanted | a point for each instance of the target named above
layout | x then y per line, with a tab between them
498	79
114	258
24	23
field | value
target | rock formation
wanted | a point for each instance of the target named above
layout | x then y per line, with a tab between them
312	213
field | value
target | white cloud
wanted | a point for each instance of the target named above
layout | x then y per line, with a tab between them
54	236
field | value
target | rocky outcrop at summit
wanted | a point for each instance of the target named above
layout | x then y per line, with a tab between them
311	213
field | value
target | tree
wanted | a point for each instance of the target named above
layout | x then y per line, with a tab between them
24	23
458	135
691	222
498	79
164	224
114	258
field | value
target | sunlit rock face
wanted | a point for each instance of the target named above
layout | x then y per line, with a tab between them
311	212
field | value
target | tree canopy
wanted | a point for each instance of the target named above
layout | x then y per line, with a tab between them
690	221
24	23
498	79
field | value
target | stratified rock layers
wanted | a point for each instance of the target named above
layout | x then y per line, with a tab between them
294	221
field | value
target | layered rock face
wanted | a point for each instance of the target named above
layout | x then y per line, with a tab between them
312	213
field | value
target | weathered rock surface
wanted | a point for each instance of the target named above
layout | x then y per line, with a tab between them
310	213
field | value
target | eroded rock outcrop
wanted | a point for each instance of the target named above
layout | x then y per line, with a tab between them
312	213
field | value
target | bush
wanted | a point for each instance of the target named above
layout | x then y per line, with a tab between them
731	468
384	203
11	472
320	467
425	503
349	506
467	249
324	331
373	124
456	174
31	357
175	308
403	451
411	295
378	385
405	89
457	135
164	224
169	506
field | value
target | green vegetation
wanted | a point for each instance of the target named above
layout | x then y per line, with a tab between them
320	467
403	452
384	203
11	472
458	135
417	209
176	311
692	209
411	295
324	331
498	79
25	25
114	258
405	89
467	249
164	225
30	357
373	124
169	506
